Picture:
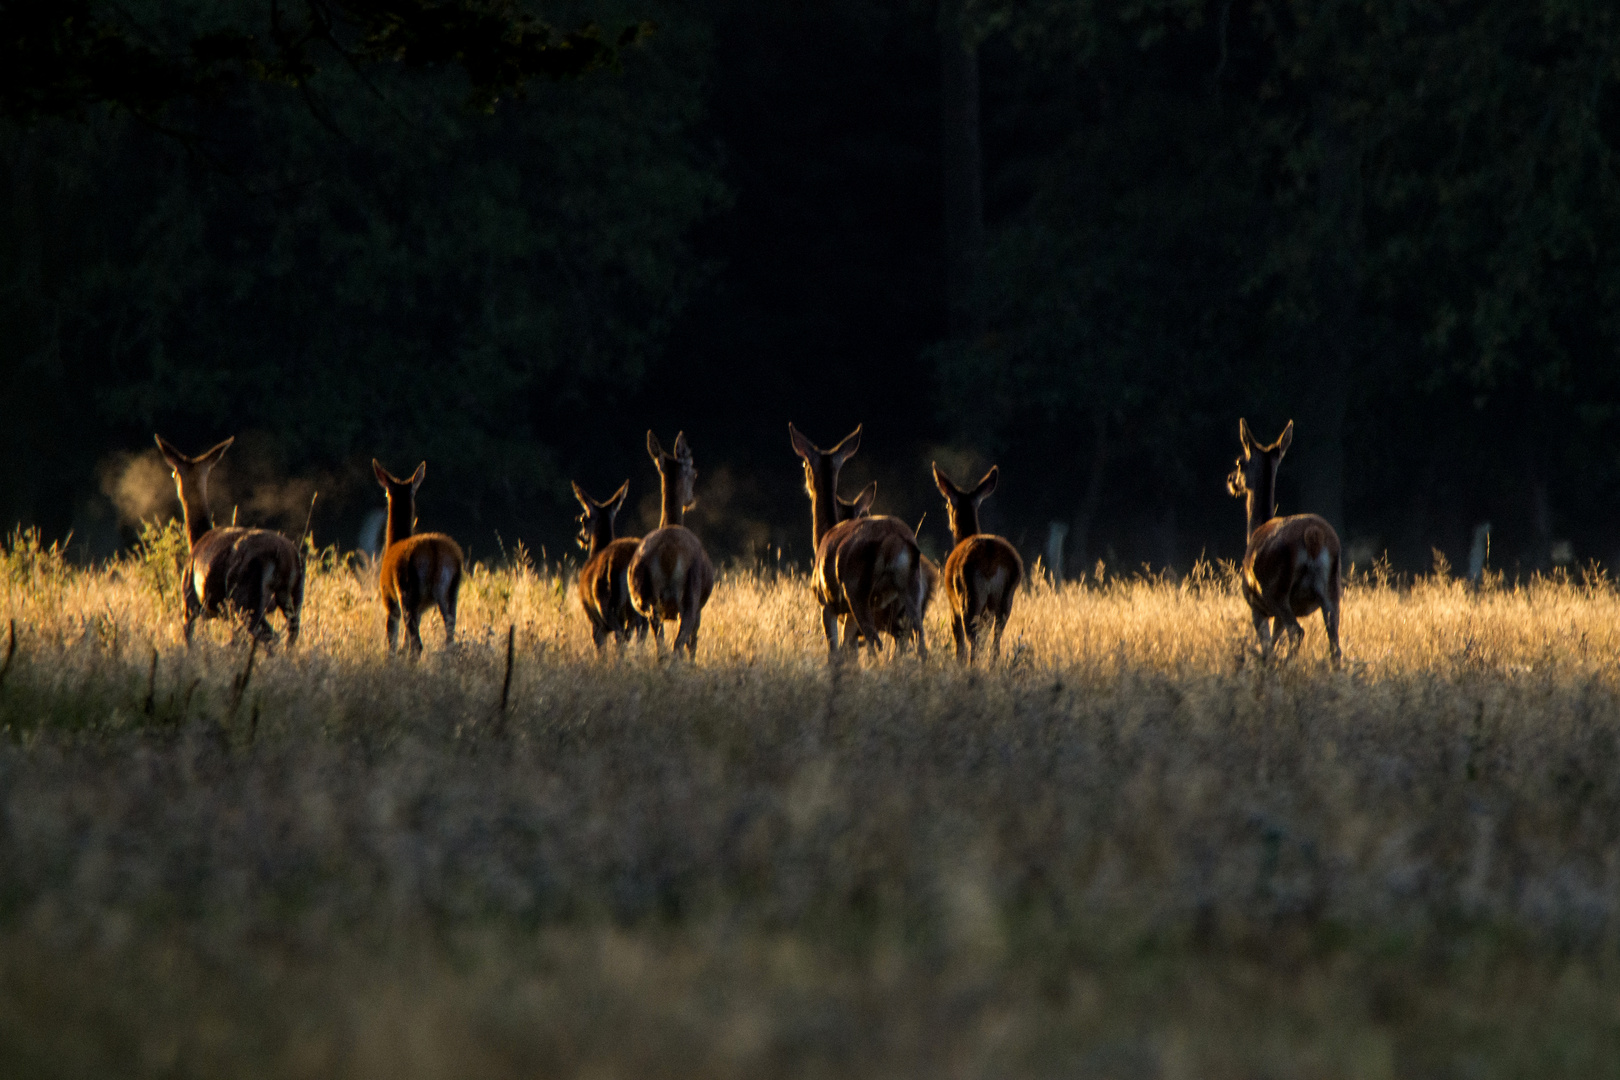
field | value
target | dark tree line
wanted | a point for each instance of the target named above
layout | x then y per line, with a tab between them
1076	239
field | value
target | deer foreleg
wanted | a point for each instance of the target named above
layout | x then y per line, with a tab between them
687	633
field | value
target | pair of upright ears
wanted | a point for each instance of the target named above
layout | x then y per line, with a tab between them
977	494
611	504
683	451
1251	445
842	452
390	482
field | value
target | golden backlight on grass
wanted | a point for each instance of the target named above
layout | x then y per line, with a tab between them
1127	848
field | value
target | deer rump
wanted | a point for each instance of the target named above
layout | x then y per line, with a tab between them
1292	567
871	569
421	572
252	570
604	590
670	574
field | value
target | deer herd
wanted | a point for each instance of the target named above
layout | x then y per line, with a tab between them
870	577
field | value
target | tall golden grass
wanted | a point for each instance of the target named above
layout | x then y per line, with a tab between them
1128	848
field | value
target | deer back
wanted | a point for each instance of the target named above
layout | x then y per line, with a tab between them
1293	561
876	558
604	586
670	573
416	568
983	566
243	567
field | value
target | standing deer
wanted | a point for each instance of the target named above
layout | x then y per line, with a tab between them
982	572
251	570
863	565
419	571
890	619
1291	567
604	586
671	576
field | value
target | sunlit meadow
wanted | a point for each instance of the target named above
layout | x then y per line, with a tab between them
1126	849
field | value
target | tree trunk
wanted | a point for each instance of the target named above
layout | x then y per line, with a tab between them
963	167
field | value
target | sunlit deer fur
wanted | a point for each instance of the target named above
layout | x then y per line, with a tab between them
982	572
863	565
250	570
604	586
420	571
891	618
670	575
1291	567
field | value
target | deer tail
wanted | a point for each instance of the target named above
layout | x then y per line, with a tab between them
1313	539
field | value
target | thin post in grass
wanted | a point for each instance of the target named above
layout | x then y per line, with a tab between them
240	684
511	651
150	704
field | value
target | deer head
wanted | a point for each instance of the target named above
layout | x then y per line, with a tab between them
1255	476
596	519
191	483
401	496
678	476
963	506
858	507
821	468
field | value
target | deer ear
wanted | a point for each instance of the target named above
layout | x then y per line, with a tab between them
579	494
801	445
174	457
617	501
846	447
683	449
211	458
382	474
863	501
988	484
1286	439
947	486
655	450
418	476
1246	436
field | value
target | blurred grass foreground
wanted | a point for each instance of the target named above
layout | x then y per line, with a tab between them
1121	851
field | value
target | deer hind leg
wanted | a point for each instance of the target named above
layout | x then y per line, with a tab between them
830	620
959	631
687	634
860	609
413	632
1262	631
447	592
1003	612
1287	628
914	613
393	625
1330	623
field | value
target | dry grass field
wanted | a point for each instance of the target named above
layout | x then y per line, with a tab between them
1122	851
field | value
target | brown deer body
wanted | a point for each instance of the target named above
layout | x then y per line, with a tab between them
891	618
419	571
863	565
604	585
250	570
983	571
670	575
1291	565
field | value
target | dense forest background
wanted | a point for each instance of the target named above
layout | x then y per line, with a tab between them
1076	239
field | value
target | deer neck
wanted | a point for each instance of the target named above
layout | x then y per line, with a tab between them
401	520
1262	501
670	512
601	537
964	523
823	507
194	511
